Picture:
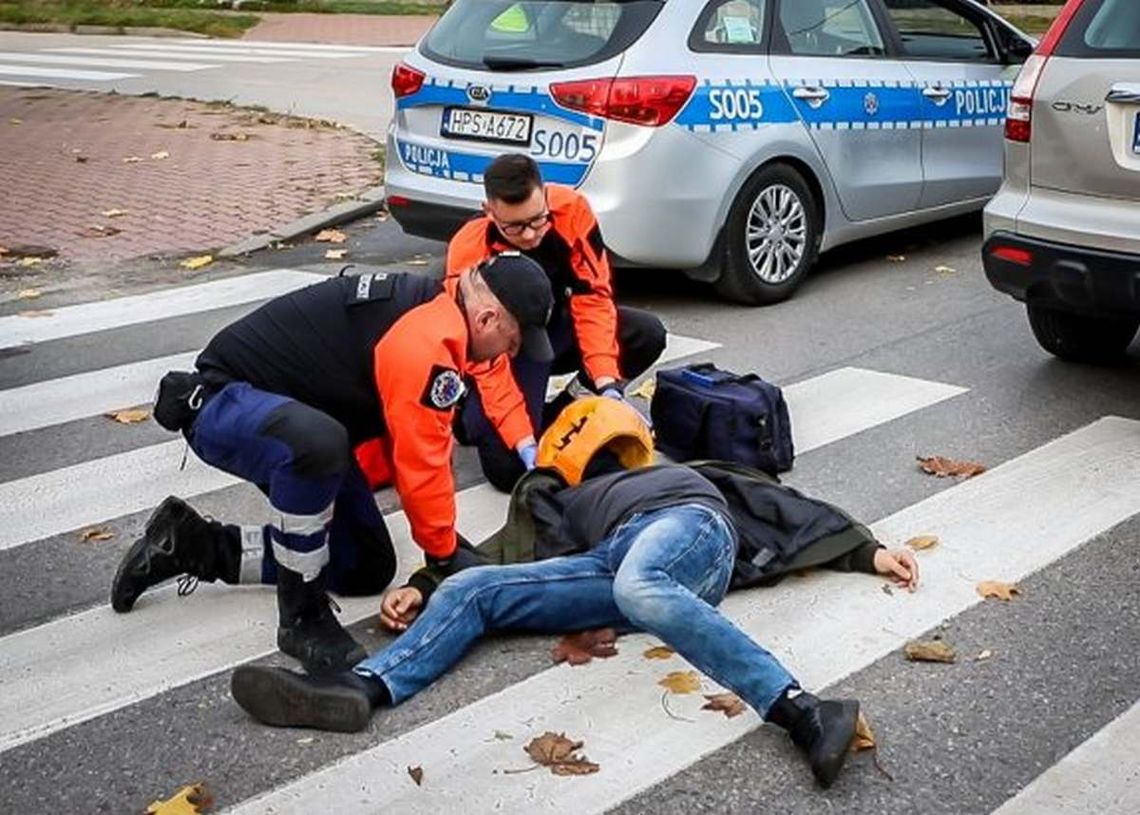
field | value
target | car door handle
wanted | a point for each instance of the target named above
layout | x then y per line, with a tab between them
812	94
1126	96
938	95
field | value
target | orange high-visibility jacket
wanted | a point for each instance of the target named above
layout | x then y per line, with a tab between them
581	276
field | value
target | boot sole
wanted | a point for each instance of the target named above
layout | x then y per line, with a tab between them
832	758
280	698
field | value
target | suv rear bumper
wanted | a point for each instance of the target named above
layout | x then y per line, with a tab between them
427	220
1073	277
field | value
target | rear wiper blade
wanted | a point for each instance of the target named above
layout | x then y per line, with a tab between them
517	63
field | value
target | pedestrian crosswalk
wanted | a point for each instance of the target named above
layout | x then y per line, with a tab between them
134	58
69	671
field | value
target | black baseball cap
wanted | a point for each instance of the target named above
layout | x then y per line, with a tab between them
523	288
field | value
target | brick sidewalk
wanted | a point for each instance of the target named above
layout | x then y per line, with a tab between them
340	29
64	165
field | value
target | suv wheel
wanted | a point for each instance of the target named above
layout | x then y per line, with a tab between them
773	234
1078	338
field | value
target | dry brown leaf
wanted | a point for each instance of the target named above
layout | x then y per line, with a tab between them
114	213
160	155
580	648
929	651
645	390
31	261
28	294
417	774
921	542
658	652
3	251
335	254
942	467
864	736
330	236
728	703
131	160
998	589
15	121
681	682
197	262
983	655
133	416
190	800
97	533
559	753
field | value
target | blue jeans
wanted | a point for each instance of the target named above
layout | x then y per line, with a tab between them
661	571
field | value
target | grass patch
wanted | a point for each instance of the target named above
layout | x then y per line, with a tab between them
124	14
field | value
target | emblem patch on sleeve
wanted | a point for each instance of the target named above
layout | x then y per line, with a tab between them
444	389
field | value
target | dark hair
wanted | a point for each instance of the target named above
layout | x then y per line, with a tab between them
511	178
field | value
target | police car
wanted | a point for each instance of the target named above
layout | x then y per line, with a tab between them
732	139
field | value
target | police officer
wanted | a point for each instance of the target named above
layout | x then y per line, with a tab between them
606	343
281	397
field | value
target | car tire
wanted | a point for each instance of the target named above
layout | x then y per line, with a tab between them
1080	338
772	237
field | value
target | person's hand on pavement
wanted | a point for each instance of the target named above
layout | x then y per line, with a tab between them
400	607
899	565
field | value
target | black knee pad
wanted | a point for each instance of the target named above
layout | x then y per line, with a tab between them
318	441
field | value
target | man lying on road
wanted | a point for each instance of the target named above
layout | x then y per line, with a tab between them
656	549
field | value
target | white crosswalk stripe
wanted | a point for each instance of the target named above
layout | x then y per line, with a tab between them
62	73
113	61
216	59
1017	518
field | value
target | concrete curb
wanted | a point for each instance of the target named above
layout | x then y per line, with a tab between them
369	201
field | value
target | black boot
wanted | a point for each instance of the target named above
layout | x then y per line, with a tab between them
309	631
278	697
822	729
177	541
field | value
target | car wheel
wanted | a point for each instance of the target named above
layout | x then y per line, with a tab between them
1079	338
772	237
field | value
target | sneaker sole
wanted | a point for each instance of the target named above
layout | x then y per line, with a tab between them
280	698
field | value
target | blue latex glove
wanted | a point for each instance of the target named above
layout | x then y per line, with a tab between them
528	455
613	393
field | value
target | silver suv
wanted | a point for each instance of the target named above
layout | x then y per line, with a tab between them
1063	232
733	139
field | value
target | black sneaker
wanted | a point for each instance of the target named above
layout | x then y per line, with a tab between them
283	698
821	729
308	630
177	541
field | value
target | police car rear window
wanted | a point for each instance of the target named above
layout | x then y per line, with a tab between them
502	35
1103	28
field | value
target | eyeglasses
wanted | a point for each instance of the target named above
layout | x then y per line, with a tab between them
516	228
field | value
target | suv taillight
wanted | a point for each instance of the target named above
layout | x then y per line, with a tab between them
652	101
406	80
1019	119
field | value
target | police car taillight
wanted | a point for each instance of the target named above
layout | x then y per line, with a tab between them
406	80
641	100
1019	120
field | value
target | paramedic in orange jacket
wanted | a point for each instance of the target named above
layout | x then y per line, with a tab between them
606	343
281	397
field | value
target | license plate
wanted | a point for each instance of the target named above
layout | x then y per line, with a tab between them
1136	135
486	125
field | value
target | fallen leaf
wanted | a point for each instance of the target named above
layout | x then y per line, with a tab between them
942	467
864	736
929	651
922	542
81	159
306	740
983	655
131	160
681	682
129	416
945	269
99	231
645	390
160	155
417	774
197	262
229	136
659	652
31	261
114	213
998	589
330	236
183	125
28	294
15	121
190	800
559	753
335	254
98	533
3	250
499	735
728	703
896	258
580	648
418	261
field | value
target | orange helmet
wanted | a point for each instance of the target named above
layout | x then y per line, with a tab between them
591	424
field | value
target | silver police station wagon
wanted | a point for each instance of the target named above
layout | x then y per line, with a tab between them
732	139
